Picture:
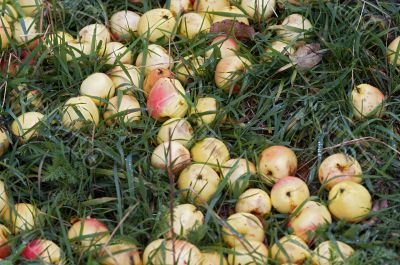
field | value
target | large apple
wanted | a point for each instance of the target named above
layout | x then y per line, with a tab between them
4	143
21	217
99	87
95	34
5	32
259	8
120	254
126	78
241	227
153	77
393	51
367	101
125	108
124	25
44	250
349	201
276	162
187	218
25	126
249	253
78	111
205	110
337	168
116	52
170	154
255	201
293	28
228	72
154	57
213	258
192	24
175	129
224	46
238	172
234	14
156	24
211	151
290	249
88	233
329	252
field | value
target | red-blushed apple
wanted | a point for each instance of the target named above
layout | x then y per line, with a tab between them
4	145
349	201
25	126
234	14
229	71
393	51
213	258
125	108
288	193
367	101
42	250
123	253
238	172
205	110
188	68
116	52
9	12
171	252
242	227
337	168
210	151
99	87
180	6
155	58
308	217
249	253
290	249
76	49
170	154
187	219
293	28
29	7
88	234
153	77
254	201
329	252
123	25
25	32
95	34
21	217
5	248
167	99
175	129
223	45
276	162
194	23
158	23
5	32
198	183
78	111
126	78
259	8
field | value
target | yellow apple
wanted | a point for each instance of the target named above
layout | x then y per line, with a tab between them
75	49
187	218
9	13
95	34
99	87
210	5
193	23
180	6
153	77
175	129
5	244
88	233
337	168
5	32
393	51
170	154
210	151
249	253
158	23
25	127
30	7
116	52
290	249
349	201
126	78
329	252
188	68
254	201
278	47
213	258
78	111
242	227
367	101
126	108
205	110
44	250
25	31
238	171
229	71
123	25
120	254
21	217
155	58
4	143
259	8
234	14
293	28
223	45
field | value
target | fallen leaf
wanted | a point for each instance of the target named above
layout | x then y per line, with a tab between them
234	28
307	56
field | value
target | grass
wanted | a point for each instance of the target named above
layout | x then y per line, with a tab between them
106	174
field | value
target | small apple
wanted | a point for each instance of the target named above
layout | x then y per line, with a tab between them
291	26
288	193
188	68
241	227
9	13
213	258
276	162
308	218
158	23
234	14
95	34
116	52
329	252
25	32
126	108
238	171
21	217
88	233
5	248
393	51
4	204
249	253
349	201
153	77
367	101
175	129
5	32
170	154
155	58
199	183
4	144
167	99
78	111
187	218
126	78
30	7
123	25
99	87
278	47
205	110
180	6
259	8
210	151
223	45
337	168
42	250
120	254
229	71
25	127
210	5
254	201
75	49
194	23
290	249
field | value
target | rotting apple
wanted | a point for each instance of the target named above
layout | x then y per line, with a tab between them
205	110
116	52
238	172
44	250
88	234
242	227
155	57
21	217
175	129
210	151
192	24
25	126
99	87
291	26
367	101
259	8
78	111
187	219
126	107
158	23
234	14
126	78
153	77
123	25
329	252
226	46
393	51
123	253
254	201
249	253
170	154
228	72
291	249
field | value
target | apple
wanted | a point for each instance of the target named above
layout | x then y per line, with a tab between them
58	38
116	52
229	71
194	23
21	217
259	8
5	32
205	110
5	248
291	26
367	101
234	14
44	250
25	32
180	6
175	129
187	218
276	162
290	249
307	218
349	201
210	5
4	204
278	47
170	154
224	46
4	144
210	151
153	77
393	51
329	252
123	25
188	68
25	127
120	254
254	201
288	193
126	108
95	33
242	227
213	258
78	111
156	57
249	253
9	13
158	23
167	99
238	171
126	78
99	87
199	183
30	7
337	168
88	233
75	49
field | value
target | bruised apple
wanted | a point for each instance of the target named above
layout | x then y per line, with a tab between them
116	52
175	129
78	111
245	224
293	28
367	101
126	78
393	51
228	73
125	108
88	233
155	58
259	8
291	249
44	250
120	254
205	110
224	46
329	252
21	217
170	154
99	87
210	151
123	25
158	23
254	201
194	23
153	77
213	258
25	126
249	253
187	219
238	172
